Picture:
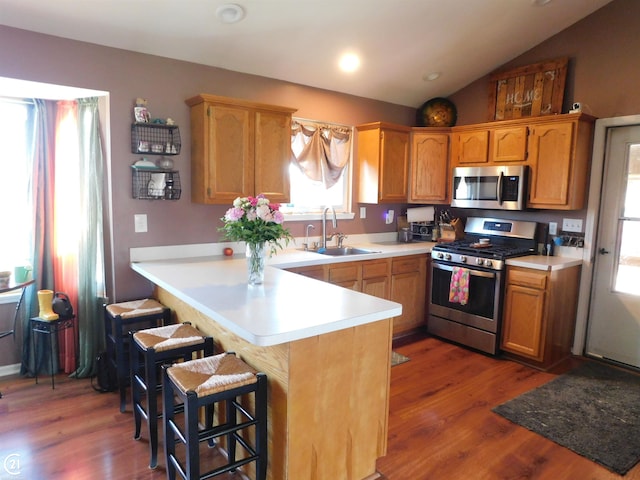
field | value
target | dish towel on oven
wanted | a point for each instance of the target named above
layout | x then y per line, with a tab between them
459	287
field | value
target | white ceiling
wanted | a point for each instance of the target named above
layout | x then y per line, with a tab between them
400	41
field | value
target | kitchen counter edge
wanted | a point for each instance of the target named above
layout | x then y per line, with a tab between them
541	262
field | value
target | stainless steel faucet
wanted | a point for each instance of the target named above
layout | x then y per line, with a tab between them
324	225
306	244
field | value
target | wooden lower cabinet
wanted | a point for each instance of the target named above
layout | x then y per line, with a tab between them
408	287
375	277
399	279
347	275
539	315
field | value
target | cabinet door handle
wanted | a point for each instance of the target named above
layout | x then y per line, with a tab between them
603	251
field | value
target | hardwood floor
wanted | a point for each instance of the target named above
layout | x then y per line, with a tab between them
441	426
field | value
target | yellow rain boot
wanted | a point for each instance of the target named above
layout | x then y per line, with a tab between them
45	300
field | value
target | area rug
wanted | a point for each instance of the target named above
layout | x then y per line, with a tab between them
397	358
593	410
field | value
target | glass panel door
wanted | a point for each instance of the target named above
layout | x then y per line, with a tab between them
628	263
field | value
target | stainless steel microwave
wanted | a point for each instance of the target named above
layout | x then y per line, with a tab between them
496	188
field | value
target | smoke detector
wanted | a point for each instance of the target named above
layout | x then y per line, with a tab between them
230	13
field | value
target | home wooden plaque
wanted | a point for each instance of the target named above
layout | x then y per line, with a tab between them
528	91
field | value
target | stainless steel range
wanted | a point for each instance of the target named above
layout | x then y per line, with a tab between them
471	316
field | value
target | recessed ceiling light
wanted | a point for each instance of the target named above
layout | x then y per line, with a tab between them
349	62
230	13
430	77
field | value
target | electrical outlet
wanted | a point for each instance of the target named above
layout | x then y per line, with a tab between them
553	228
140	223
572	225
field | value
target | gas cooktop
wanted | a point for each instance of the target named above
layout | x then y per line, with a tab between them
488	242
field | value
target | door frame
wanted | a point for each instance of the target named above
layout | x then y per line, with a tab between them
589	253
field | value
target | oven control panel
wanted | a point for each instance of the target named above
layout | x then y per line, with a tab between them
467	260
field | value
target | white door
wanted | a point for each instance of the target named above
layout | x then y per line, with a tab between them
614	319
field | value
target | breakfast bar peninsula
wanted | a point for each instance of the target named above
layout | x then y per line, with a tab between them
325	349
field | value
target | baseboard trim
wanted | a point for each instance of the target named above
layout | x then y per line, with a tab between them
6	370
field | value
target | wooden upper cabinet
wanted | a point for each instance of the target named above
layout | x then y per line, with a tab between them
508	144
272	155
559	156
383	163
471	147
557	148
238	148
429	172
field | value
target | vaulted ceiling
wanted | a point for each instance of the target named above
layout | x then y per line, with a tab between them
400	42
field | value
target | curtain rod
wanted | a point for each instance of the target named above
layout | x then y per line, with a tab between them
22	101
319	123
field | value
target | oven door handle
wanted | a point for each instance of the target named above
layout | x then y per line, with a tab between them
499	188
475	273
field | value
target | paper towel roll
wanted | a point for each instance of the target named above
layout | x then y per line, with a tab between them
420	214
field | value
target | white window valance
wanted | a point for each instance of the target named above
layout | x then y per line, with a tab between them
321	150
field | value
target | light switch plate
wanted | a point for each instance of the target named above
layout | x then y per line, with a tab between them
553	228
140	222
363	212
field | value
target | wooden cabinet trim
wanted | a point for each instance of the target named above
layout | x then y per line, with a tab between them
527	278
410	263
375	268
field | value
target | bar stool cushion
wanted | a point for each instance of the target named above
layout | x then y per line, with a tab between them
135	308
168	337
209	375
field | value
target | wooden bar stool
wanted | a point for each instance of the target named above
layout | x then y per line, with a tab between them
152	348
119	320
203	383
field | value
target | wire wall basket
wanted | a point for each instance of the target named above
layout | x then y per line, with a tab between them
155	184
155	139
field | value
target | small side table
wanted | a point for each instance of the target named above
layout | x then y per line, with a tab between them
51	328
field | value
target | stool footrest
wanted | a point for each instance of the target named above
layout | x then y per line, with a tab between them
216	471
224	429
228	468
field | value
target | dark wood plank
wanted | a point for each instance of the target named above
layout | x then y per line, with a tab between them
441	425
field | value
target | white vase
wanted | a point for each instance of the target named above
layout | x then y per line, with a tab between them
256	253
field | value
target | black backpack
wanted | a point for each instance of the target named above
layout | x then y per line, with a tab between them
62	306
106	376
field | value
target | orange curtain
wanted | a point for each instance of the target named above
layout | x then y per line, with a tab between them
66	222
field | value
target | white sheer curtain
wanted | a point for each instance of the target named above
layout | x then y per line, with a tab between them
321	151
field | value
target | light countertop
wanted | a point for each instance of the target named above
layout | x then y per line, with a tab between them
286	306
541	262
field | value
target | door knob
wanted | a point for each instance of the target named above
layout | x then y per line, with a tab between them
603	251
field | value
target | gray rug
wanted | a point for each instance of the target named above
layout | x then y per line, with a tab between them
398	358
593	410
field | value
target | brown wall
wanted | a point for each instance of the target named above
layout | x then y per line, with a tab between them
604	67
166	84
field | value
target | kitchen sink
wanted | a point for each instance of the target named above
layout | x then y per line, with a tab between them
341	251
